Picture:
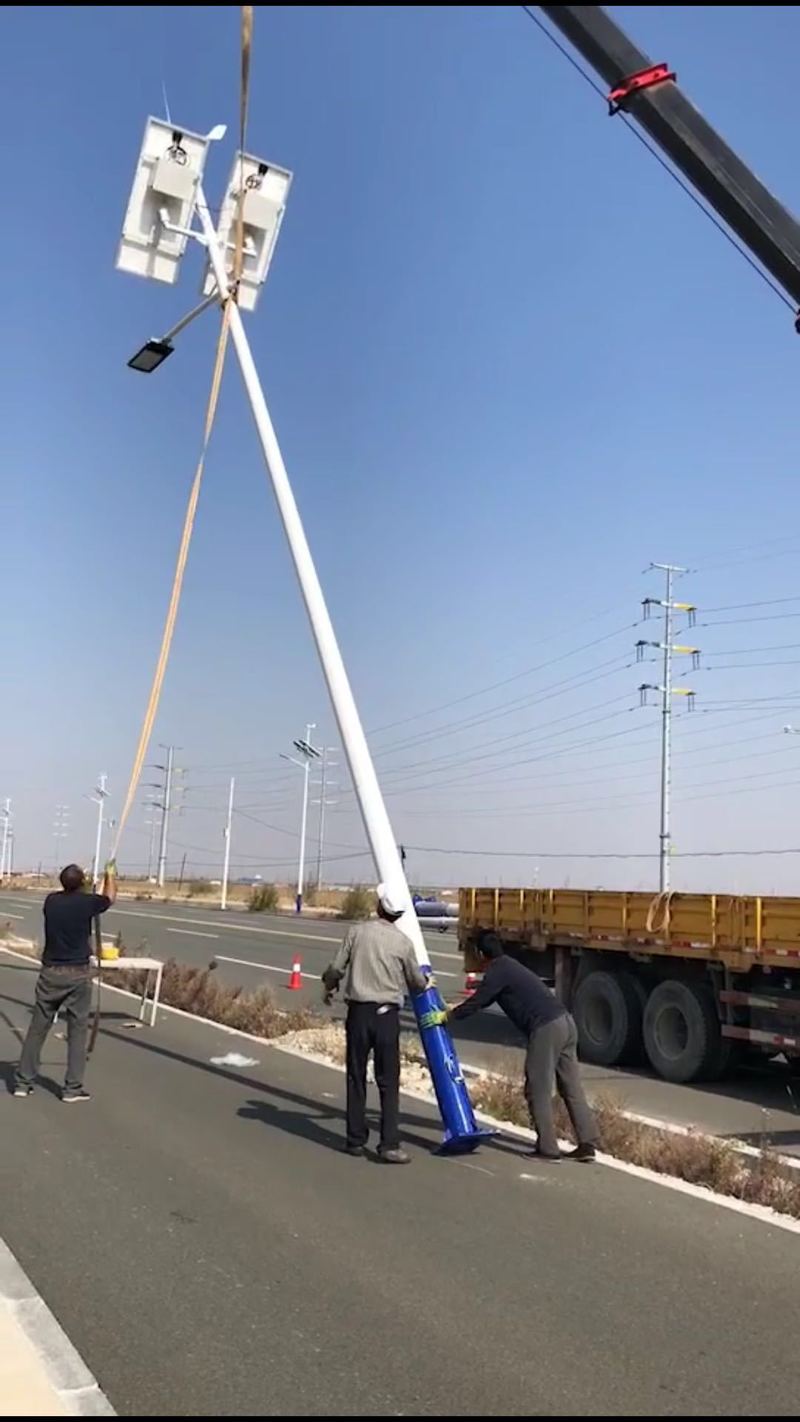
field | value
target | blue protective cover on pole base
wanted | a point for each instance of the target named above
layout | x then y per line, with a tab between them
461	1131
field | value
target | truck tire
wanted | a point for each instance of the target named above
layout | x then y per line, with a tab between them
608	1011
682	1036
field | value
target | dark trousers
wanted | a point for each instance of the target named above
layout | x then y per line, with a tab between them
68	991
552	1062
376	1029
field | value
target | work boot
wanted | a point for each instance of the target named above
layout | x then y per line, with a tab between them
586	1153
397	1156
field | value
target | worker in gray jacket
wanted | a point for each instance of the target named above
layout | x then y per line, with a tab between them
376	966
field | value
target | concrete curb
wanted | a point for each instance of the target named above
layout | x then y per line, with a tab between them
63	1367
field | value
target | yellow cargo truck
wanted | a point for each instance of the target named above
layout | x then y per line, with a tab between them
688	982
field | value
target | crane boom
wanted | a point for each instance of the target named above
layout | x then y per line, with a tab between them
650	94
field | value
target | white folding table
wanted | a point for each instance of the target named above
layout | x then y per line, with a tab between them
153	970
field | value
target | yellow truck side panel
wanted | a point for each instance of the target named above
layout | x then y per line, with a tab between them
741	932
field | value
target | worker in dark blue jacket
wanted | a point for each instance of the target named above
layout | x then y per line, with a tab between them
551	1060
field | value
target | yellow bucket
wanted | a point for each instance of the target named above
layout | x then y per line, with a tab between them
109	952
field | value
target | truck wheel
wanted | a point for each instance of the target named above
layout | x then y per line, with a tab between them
682	1034
608	1014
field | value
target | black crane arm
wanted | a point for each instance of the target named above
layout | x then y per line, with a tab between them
650	94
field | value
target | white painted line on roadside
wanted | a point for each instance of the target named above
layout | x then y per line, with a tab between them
60	1361
255	928
5	914
248	963
233	927
192	933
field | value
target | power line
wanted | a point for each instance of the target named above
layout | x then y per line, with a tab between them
573	854
495	686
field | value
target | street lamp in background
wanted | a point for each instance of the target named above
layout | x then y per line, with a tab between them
60	829
309	752
226	834
5	853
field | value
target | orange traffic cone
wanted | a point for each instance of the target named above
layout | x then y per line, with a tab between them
296	976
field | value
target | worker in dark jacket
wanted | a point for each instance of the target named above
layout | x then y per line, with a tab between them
552	1056
65	981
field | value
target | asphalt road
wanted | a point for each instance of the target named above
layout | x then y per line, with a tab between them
210	1252
252	949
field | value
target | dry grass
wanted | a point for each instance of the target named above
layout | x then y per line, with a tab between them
263	899
357	903
200	992
698	1159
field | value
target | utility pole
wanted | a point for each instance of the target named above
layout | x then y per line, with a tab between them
309	752
223	902
323	802
166	805
151	824
667	690
6	813
98	799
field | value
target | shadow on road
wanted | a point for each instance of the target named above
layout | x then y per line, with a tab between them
305	1122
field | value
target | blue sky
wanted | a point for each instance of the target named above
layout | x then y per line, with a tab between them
509	364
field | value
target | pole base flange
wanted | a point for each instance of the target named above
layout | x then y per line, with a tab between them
466	1144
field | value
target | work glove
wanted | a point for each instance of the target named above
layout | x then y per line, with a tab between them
436	1018
110	869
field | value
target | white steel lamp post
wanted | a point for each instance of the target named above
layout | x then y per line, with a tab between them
167	192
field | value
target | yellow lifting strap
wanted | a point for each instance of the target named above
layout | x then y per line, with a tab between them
194	494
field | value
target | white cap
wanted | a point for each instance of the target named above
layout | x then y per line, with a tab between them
390	901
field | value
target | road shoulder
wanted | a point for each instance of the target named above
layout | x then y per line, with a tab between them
41	1373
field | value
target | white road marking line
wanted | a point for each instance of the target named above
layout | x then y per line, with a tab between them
481	1169
247	963
253	928
4	914
234	927
192	932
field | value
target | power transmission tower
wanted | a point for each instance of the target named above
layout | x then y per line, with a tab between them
325	784
169	771
667	691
